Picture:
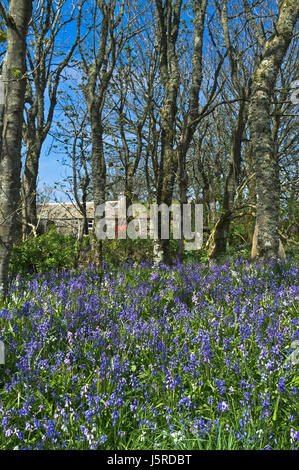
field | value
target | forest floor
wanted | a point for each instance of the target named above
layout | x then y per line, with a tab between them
196	356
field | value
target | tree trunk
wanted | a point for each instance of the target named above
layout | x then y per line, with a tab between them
168	21
129	193
98	178
14	70
263	145
254	252
85	230
29	184
168	122
183	188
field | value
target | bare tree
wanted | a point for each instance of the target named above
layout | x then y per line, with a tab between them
73	135
98	65
239	90
127	126
192	117
46	65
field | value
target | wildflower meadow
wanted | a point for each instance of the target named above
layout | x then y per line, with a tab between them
194	356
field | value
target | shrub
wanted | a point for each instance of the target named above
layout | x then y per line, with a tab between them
117	251
43	253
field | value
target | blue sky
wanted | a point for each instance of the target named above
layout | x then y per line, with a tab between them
51	171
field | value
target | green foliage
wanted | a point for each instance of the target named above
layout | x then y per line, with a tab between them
55	251
3	36
196	256
16	73
43	253
117	251
241	231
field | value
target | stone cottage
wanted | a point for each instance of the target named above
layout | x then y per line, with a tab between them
68	219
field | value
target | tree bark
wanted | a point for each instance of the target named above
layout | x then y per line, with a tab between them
254	252
29	184
14	70
98	175
263	145
168	22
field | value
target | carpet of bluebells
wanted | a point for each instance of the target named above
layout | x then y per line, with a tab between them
196	356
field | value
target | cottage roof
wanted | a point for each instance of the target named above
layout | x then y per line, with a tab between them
63	210
69	210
